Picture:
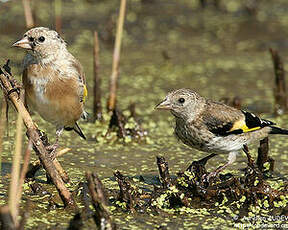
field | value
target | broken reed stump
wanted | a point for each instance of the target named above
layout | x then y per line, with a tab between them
164	172
97	106
117	120
126	126
263	157
116	58
280	92
199	167
99	200
128	193
33	133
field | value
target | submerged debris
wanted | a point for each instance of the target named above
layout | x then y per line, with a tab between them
190	190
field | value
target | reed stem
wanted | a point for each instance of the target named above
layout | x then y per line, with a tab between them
116	57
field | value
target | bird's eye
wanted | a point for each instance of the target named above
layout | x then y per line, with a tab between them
41	39
31	39
181	100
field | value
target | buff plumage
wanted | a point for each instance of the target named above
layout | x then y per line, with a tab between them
215	127
53	79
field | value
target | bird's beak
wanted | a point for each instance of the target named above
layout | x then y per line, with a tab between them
23	43
164	105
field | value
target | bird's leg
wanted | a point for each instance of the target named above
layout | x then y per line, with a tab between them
52	148
246	151
231	160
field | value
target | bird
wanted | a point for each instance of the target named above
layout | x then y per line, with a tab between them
214	127
53	80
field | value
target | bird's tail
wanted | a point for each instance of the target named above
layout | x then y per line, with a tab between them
276	130
77	129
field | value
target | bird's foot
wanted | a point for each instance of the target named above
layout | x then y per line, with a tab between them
210	176
52	150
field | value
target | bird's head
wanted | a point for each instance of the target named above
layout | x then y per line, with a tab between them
42	41
183	103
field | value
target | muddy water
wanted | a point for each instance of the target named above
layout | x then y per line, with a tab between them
167	45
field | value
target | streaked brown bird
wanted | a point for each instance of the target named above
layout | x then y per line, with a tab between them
215	127
53	80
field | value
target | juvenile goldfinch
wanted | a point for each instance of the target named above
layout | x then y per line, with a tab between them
53	80
214	127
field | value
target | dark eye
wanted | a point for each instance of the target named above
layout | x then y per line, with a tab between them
41	39
31	39
181	100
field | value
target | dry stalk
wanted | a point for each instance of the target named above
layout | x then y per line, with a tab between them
25	165
116	58
97	107
58	19
28	14
14	184
2	129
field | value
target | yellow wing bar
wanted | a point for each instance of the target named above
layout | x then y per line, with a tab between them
85	93
240	124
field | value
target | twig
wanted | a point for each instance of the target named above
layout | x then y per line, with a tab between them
36	165
33	134
116	58
14	184
62	152
28	14
97	193
280	93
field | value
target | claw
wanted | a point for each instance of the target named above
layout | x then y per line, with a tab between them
52	150
12	91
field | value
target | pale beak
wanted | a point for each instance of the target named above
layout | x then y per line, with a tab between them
23	43
164	105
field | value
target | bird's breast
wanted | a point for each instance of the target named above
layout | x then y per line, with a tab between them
39	90
192	135
55	97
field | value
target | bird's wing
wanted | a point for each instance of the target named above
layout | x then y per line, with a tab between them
223	120
81	78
